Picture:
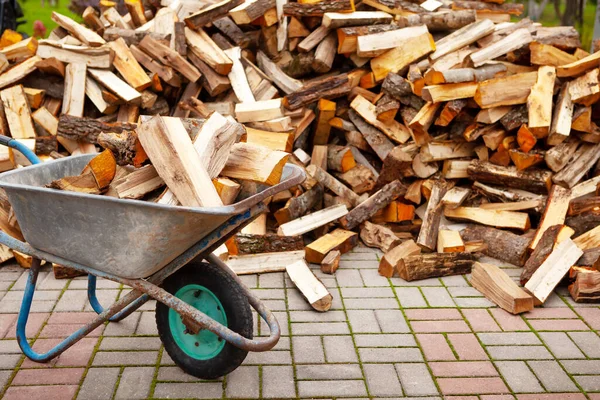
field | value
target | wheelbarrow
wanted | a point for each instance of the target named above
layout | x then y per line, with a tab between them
162	252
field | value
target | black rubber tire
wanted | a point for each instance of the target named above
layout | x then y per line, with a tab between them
237	309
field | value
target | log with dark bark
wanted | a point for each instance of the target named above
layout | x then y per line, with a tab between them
88	129
590	257
440	21
431	220
244	243
298	206
531	179
503	245
376	202
317	10
332	87
125	147
397	165
584	222
435	265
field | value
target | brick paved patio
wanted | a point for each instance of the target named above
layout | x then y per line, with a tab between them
432	339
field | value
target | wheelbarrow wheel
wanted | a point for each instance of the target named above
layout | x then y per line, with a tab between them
214	292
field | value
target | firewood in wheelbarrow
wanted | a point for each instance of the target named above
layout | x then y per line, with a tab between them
172	153
95	177
311	288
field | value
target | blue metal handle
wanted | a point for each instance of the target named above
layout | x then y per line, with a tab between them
15	144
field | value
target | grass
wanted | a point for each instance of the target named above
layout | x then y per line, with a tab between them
34	10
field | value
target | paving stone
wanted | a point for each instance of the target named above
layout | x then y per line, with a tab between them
416	380
308	349
34	324
135	383
550	313
105	297
435	347
467	347
72	300
480	320
382	380
332	388
125	327
283	324
283	343
433	314
4	376
454	280
372	278
269	358
560	345
176	374
552	376
509	322
439	326
554	396
76	356
130	343
58	392
9	347
295	300
518	377
133	358
463	369
378	355
147	324
410	297
368	293
479	302
311	316
472	385
385	340
64	330
330	328
9	361
244	382
278	382
582	366
588	342
391	321
558	325
589	383
519	353
274	280
329	371
349	278
6	322
505	338
48	376
371	304
202	390
339	349
464	291
591	316
99	384
363	321
438	297
421	283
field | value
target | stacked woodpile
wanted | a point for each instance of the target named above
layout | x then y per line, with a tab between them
410	120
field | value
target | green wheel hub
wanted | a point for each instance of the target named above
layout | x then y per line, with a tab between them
205	344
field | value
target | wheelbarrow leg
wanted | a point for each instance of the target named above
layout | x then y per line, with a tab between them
99	309
115	309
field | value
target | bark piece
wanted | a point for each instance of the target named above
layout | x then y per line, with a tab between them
435	265
538	181
244	244
376	202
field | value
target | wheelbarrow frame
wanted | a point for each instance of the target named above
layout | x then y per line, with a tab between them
147	288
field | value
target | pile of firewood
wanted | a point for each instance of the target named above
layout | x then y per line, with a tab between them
409	119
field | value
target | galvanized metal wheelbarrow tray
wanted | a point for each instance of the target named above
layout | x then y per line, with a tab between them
135	243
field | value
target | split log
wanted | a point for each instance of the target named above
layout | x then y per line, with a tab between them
553	269
514	41
449	242
431	220
503	245
583	160
170	57
548	241
227	189
340	158
539	102
589	239
18	114
93	57
435	265
331	262
312	221
511	90
360	179
325	113
263	263
115	85
333	184
299	10
181	168
488	8
543	54
500	219
396	165
584	222
83	34
367	110
340	239
255	163
462	37
88	129
586	287
554	213
164	72
559	156
311	288
138	183
380	144
585	89
258	111
331	87
439	21
211	13
499	288
391	261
